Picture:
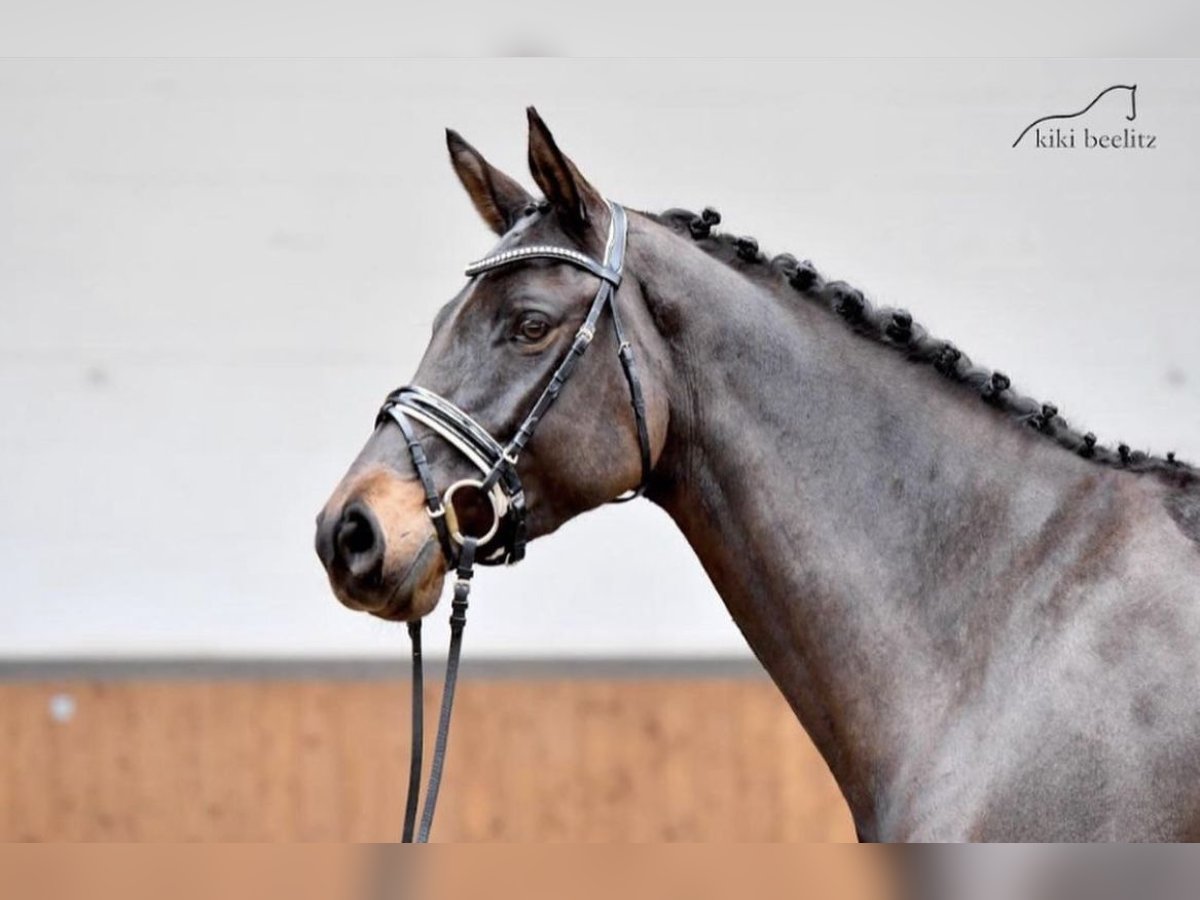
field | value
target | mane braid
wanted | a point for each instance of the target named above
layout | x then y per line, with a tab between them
895	328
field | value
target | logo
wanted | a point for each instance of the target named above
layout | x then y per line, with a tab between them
1099	132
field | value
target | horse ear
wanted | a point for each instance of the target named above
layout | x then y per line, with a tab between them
569	192
498	198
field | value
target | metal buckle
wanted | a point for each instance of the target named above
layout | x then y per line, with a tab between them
452	518
585	333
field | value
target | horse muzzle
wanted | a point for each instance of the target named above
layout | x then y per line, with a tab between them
379	548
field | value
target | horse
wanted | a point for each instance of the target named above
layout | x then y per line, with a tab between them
987	621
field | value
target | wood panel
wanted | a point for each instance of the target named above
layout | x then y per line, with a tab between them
530	760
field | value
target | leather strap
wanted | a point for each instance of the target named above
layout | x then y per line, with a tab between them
433	500
638	401
458	622
417	740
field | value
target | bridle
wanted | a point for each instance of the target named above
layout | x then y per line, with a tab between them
503	541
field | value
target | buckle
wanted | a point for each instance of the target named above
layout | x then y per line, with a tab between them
452	518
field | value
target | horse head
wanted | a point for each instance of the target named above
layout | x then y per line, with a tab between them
492	367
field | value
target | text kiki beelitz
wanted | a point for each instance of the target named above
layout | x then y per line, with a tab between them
1088	139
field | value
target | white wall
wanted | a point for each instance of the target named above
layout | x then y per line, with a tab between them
748	28
211	273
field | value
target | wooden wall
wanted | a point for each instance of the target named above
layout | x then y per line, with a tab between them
540	759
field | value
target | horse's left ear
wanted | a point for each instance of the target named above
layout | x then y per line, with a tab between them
577	202
498	198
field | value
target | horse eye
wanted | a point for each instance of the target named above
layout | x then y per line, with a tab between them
532	328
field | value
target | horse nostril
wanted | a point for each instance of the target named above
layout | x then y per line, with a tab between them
359	542
357	536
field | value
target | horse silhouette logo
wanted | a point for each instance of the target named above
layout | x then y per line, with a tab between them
1058	137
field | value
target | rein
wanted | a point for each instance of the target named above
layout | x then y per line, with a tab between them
505	538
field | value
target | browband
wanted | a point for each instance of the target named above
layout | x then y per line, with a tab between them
544	251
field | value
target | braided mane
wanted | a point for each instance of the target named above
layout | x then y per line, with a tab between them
896	329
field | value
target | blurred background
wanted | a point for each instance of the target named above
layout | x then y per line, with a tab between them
211	272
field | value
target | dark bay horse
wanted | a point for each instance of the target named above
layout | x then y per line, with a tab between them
987	621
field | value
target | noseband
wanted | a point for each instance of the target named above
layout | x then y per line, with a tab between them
506	535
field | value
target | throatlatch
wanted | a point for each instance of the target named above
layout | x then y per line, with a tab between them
505	538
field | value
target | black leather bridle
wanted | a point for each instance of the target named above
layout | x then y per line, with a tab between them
505	537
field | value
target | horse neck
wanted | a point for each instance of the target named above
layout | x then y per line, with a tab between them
860	519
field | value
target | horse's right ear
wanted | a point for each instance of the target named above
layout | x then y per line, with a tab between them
498	198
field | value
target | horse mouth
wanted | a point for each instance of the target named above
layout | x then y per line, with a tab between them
401	605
